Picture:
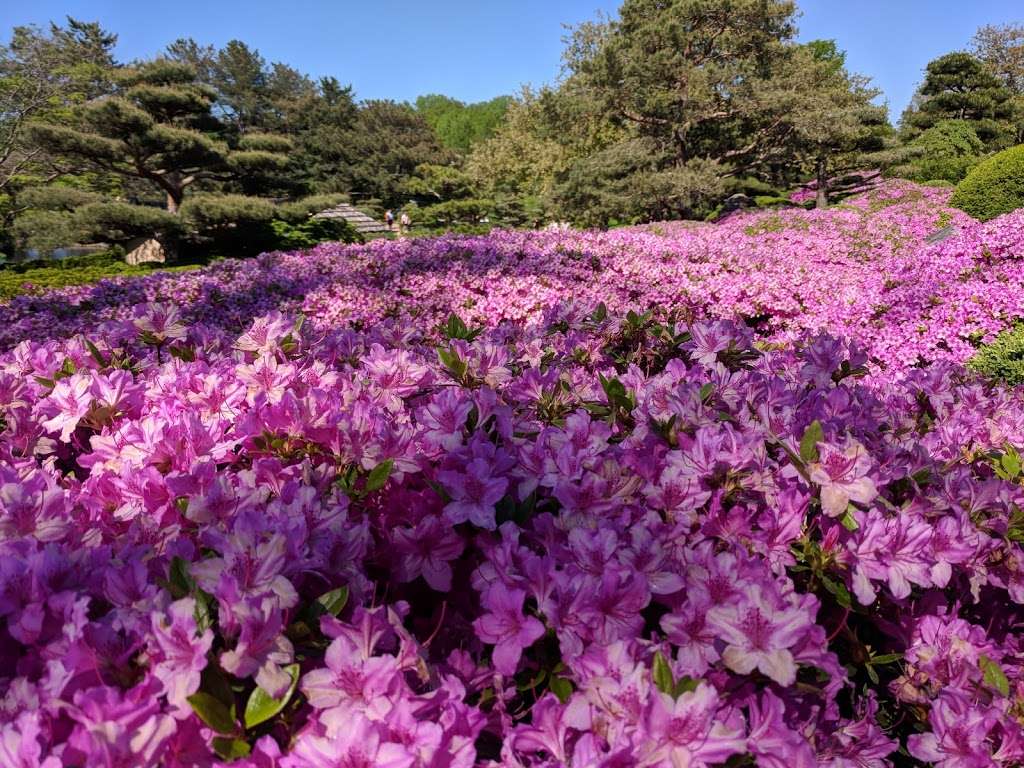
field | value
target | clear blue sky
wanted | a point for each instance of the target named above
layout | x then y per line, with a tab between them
476	49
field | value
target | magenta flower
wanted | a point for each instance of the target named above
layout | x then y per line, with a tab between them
162	321
474	492
19	744
842	475
426	551
760	634
183	650
964	735
505	626
261	651
685	730
357	745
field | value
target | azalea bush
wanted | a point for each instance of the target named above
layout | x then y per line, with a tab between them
323	510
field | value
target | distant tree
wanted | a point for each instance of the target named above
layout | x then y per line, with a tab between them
381	150
959	86
835	122
1001	48
42	75
460	126
684	81
944	152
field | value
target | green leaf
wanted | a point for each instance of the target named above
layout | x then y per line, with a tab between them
662	674
213	712
872	673
706	391
1010	462
849	522
334	602
379	475
813	435
230	749
685	685
204	610
838	589
561	687
95	353
181	581
887	658
994	676
262	707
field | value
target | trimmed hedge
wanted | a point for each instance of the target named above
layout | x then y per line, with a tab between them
1003	359
994	187
21	279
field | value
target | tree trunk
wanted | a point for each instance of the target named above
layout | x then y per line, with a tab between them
822	189
173	201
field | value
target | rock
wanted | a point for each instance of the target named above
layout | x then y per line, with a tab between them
941	234
147	251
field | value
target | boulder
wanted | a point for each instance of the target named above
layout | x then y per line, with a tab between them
147	251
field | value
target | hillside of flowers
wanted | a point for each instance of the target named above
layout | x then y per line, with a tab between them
674	495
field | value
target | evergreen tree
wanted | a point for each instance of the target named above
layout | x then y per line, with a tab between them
158	127
835	124
958	86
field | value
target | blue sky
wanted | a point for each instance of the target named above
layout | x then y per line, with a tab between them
476	49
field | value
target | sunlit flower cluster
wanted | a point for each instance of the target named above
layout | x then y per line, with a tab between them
541	533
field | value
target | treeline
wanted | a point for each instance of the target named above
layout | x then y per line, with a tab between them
209	151
676	106
665	112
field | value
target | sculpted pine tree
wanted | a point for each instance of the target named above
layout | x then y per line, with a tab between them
959	86
158	127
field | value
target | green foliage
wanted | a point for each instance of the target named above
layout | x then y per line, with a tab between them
460	126
958	86
945	151
1003	359
31	278
993	187
383	149
120	222
56	198
308	233
44	231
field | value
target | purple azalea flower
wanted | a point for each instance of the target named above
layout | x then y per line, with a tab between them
183	650
505	626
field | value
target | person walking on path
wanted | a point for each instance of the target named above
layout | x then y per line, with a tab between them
406	222
389	219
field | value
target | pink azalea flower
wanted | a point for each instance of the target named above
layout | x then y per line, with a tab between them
426	551
505	626
474	493
842	475
357	746
183	650
760	634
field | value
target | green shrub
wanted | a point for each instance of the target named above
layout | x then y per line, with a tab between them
947	150
994	187
1003	359
17	280
120	222
291	237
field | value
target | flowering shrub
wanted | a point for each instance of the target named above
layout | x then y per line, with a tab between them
596	538
862	271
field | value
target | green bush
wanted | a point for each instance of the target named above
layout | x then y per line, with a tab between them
994	187
21	279
290	237
947	150
1003	359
